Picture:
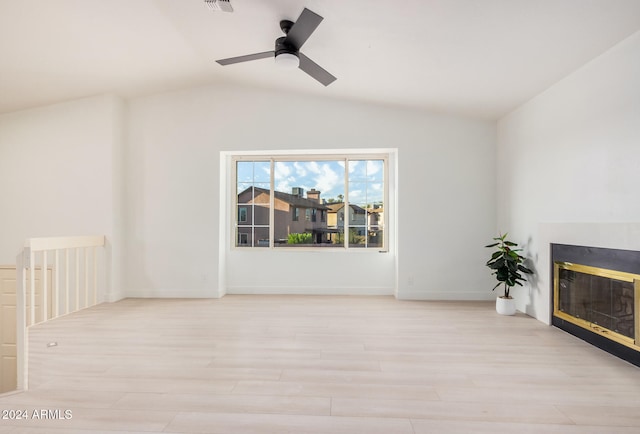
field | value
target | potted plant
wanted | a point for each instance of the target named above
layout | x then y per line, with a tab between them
506	264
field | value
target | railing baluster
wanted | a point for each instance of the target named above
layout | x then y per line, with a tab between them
77	253
32	284
66	279
86	277
45	287
56	284
95	276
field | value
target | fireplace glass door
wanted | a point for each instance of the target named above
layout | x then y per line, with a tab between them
603	301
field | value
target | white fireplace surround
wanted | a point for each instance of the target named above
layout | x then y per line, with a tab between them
624	236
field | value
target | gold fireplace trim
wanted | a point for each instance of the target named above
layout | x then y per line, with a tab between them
588	325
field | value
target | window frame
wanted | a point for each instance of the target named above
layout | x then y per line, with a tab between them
276	156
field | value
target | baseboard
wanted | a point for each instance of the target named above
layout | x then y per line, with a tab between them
297	290
171	293
300	290
444	295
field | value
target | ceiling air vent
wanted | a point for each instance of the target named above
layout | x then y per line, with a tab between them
219	5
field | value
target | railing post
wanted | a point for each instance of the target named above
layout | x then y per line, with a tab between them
22	341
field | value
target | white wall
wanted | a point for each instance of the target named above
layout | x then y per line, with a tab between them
59	169
446	195
570	157
329	271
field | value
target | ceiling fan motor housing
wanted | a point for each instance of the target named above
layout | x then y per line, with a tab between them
282	47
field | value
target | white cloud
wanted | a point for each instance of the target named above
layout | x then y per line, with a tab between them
281	171
325	176
266	170
356	196
373	167
300	170
353	165
328	178
375	193
313	167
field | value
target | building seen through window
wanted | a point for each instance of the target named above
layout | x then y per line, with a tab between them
283	203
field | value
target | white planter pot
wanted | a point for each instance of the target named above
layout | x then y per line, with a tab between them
506	306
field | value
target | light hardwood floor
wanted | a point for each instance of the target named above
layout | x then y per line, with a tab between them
319	364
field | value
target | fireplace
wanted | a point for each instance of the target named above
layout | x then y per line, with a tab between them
596	297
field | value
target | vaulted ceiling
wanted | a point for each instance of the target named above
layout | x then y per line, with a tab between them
478	58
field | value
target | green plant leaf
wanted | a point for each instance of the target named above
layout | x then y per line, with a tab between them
496	255
505	263
514	255
525	269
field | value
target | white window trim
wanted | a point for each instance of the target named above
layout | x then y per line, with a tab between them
228	187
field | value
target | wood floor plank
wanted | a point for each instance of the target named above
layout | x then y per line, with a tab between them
319	364
334	390
420	409
210	423
448	426
259	404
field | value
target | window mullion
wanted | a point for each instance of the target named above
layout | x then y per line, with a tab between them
366	212
253	206
347	211
272	203
234	201
385	205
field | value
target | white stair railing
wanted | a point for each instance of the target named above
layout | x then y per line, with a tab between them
56	276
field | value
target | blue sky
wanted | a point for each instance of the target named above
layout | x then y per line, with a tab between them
365	178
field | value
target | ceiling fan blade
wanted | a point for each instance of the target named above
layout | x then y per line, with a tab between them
315	70
248	57
303	28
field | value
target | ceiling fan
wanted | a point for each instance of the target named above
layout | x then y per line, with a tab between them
287	51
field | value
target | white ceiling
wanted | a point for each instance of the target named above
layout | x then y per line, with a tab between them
479	58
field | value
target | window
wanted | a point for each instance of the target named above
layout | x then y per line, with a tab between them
365	195
242	214
271	192
253	189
